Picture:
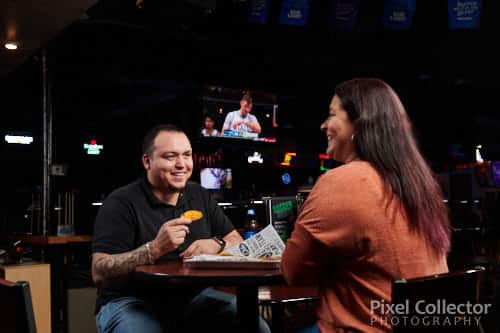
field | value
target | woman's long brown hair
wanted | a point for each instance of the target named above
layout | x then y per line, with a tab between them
384	138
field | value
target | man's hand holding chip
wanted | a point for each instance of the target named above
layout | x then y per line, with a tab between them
170	236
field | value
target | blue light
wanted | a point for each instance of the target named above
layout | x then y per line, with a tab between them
286	178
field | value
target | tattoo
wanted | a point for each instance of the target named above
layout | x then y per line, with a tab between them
118	265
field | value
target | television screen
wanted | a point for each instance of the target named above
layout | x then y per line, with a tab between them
281	212
240	114
216	178
495	169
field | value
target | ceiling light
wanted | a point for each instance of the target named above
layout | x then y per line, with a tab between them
11	45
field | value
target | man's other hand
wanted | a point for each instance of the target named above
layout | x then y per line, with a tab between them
201	246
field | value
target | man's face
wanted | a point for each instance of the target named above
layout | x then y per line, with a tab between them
170	164
245	108
209	123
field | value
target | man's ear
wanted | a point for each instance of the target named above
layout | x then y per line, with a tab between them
146	161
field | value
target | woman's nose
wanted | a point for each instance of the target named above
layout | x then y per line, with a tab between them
323	126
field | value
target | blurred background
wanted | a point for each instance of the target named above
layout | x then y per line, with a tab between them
84	80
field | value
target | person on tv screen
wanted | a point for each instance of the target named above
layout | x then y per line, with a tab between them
241	121
209	127
143	222
385	220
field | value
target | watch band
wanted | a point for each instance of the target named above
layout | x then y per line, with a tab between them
221	242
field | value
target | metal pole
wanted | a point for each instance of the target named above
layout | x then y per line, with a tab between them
47	144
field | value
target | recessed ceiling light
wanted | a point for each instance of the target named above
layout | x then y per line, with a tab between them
11	45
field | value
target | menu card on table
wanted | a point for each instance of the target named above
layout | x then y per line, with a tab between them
261	251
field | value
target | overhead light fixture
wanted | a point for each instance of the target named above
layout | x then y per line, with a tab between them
11	45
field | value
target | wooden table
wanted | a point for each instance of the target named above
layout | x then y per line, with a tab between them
246	281
53	240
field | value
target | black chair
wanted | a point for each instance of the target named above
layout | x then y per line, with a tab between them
16	308
418	300
277	298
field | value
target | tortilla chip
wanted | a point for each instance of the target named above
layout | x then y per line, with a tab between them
193	215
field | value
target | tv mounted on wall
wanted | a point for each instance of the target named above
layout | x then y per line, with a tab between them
216	178
238	114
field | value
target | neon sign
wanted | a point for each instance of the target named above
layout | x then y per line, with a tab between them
93	148
323	158
256	157
288	159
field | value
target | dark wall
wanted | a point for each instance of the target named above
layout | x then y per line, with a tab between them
122	70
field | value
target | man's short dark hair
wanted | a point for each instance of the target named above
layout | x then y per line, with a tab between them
247	98
210	116
149	138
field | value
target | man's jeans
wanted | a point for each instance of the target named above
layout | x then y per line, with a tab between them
210	311
309	329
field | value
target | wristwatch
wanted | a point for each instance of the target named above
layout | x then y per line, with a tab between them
221	242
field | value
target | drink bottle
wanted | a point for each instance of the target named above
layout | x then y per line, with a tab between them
251	226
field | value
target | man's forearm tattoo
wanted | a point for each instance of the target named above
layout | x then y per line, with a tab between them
117	265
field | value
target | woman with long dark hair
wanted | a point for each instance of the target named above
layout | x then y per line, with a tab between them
377	218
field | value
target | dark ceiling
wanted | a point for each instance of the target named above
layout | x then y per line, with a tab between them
32	24
127	65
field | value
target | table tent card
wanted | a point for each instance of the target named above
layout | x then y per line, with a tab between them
263	250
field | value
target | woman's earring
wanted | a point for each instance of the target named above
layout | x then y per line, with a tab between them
352	137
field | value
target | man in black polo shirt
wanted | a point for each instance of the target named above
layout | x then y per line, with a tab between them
138	224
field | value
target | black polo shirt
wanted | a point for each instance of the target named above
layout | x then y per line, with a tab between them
132	215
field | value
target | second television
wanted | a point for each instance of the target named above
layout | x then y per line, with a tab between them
216	178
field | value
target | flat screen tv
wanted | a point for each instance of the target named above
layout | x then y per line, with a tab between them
238	114
495	170
216	178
